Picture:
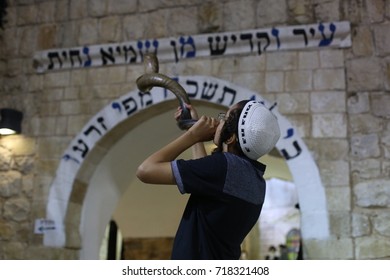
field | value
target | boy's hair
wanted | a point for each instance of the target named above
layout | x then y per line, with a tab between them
230	127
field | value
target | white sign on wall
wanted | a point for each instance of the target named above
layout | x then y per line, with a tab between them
43	225
175	49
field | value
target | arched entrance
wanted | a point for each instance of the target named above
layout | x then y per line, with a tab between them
79	208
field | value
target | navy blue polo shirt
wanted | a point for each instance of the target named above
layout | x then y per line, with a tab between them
227	194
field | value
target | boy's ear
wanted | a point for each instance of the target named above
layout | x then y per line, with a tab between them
231	140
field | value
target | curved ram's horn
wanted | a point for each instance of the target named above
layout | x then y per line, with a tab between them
152	78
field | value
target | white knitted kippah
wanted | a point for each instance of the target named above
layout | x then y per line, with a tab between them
258	130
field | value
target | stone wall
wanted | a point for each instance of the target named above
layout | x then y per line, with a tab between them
338	99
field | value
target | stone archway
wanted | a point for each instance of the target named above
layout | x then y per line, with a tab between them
69	189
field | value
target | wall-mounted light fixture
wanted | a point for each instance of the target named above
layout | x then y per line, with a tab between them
10	121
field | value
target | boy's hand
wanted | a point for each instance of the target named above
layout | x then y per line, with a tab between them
194	113
204	129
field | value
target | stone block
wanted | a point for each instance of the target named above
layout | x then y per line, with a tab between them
72	93
302	124
372	247
250	63
133	27
35	83
78	9
76	123
277	61
102	91
293	103
320	148
10	183
62	10
327	11
16	209
14	67
375	10
386	167
298	81
221	66
239	15
271	12
328	102
6	231
364	74
372	193
334	173
12	15
365	146
358	103
340	223
387	76
331	58
110	29
14	250
361	225
5	159
97	77
19	145
365	123
387	8
382	40
52	147
308	60
338	200
24	164
97	8
329	79
48	124
253	81
300	10
61	124
366	168
183	21
210	17
157	24
47	11
330	249
329	125
122	6
117	74
28	184
56	79
28	40
70	36
73	107
381	223
88	33
9	45
27	14
380	104
274	81
149	5
385	139
362	43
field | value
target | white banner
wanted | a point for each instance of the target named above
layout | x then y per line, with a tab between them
251	42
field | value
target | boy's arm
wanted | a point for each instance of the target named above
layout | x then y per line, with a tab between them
156	169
